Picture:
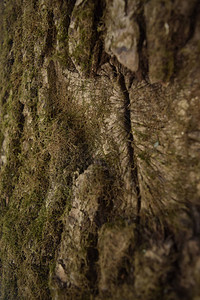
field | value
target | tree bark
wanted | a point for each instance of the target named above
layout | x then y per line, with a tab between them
100	149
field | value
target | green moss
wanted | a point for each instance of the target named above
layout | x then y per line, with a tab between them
36	182
82	39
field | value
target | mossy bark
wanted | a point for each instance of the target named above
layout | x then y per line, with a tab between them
100	143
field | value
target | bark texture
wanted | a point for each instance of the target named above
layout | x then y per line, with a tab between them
100	149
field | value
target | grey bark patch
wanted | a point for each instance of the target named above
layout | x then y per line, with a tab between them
122	37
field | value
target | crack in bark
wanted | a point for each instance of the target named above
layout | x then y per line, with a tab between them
130	143
126	7
143	60
193	21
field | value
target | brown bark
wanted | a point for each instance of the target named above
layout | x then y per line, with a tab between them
100	149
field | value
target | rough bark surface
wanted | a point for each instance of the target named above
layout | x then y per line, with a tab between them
100	149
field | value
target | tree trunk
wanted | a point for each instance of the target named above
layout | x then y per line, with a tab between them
100	149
